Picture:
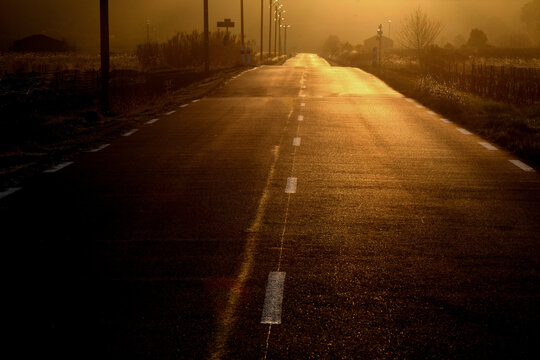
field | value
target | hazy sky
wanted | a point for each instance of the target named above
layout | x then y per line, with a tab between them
311	20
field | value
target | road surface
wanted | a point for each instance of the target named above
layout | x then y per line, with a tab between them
300	211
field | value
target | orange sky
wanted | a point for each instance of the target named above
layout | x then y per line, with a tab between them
312	20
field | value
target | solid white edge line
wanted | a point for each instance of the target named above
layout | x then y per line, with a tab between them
296	141
290	188
151	121
464	131
273	298
8	192
58	167
522	165
488	146
130	132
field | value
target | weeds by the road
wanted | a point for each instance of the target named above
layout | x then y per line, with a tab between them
516	128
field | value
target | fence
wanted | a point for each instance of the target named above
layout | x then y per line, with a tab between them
127	86
502	83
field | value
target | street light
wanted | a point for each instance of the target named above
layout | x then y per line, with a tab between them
271	4
379	37
389	23
285	44
279	27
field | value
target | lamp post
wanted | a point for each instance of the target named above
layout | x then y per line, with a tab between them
389	24
379	37
105	61
279	28
285	42
262	18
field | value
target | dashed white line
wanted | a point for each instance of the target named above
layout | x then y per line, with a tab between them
291	185
296	141
464	131
273	298
304	87
409	100
183	105
130	132
99	148
151	121
303	104
58	167
196	100
522	165
419	106
169	113
488	146
8	192
300	117
431	112
445	121
303	95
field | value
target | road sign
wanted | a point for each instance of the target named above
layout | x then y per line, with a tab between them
226	23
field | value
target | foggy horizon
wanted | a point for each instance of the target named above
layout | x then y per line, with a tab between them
353	21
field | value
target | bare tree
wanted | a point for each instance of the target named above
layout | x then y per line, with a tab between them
419	31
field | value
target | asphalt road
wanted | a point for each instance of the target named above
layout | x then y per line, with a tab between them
390	233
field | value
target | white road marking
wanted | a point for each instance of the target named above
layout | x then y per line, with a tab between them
296	141
419	106
445	120
522	165
303	95
488	146
196	100
300	117
464	131
304	87
291	185
58	167
409	100
99	148
303	104
273	298
431	112
184	105
151	121
130	132
8	192
169	113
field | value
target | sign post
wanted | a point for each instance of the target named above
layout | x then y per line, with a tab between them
226	23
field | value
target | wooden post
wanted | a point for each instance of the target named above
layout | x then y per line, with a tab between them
206	39
105	61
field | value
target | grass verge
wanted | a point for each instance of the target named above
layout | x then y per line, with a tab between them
515	128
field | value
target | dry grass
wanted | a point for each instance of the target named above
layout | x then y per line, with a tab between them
13	63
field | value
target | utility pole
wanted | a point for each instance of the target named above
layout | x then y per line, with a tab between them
242	25
275	31
262	18
279	34
379	37
270	28
206	39
105	61
285	45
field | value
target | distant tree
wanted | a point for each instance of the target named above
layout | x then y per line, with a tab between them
530	15
477	39
459	41
331	46
347	47
419	32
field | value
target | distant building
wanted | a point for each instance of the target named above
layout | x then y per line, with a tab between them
39	43
386	43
